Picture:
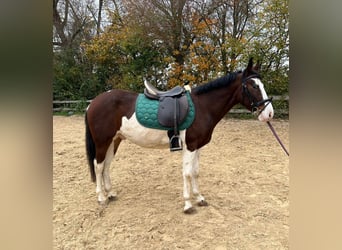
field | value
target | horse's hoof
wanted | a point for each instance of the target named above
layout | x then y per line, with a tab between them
103	202
202	203
112	198
189	210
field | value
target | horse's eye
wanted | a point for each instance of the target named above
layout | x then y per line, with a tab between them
255	86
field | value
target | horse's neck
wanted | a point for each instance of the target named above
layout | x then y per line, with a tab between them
218	102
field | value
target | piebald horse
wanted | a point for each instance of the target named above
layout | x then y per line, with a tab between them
111	118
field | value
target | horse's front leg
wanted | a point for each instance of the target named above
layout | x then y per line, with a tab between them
190	175
195	172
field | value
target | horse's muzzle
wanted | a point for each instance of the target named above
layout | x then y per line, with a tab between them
266	113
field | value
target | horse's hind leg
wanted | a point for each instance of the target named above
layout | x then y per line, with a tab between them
101	198
105	154
106	175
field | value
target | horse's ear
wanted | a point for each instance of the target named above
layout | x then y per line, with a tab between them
249	68
250	63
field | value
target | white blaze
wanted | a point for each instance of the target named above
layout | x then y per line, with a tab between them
267	113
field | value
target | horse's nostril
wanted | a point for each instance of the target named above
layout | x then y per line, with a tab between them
270	115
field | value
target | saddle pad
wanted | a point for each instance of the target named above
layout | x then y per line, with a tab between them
146	111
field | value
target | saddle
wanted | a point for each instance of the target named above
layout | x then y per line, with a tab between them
173	108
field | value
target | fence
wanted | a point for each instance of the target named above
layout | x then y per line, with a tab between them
80	106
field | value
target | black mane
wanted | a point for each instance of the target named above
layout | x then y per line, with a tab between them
217	83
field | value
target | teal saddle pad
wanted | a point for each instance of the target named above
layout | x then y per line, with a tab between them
146	111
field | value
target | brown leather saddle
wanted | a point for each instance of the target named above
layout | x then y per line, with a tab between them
172	110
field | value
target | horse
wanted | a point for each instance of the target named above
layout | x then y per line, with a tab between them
111	118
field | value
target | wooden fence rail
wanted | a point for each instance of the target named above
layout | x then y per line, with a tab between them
69	105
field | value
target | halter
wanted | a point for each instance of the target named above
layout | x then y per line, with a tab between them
254	104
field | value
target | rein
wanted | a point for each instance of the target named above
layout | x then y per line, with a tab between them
278	139
255	107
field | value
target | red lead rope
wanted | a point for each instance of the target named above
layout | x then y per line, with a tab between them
276	136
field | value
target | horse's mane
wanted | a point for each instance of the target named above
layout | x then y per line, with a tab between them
217	83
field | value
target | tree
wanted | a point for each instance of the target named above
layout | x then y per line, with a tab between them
202	62
167	23
73	23
271	44
169	42
123	54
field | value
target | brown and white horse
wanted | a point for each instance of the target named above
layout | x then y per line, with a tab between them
110	118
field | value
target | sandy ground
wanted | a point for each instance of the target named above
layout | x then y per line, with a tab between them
244	176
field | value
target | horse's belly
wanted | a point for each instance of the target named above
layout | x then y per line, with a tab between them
133	131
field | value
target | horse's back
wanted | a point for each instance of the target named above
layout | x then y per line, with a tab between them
114	102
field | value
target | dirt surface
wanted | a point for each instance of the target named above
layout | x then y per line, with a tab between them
244	176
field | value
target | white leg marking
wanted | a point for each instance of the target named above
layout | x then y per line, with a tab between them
195	172
99	182
190	176
188	161
186	186
106	174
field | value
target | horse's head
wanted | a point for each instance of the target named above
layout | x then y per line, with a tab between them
254	96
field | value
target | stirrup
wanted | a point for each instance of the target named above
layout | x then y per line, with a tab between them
175	143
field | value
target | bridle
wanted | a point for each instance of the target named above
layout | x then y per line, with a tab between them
254	103
256	106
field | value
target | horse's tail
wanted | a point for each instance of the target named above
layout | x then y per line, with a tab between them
90	148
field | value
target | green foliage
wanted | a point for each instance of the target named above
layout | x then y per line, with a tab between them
80	106
134	47
73	79
122	57
276	83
